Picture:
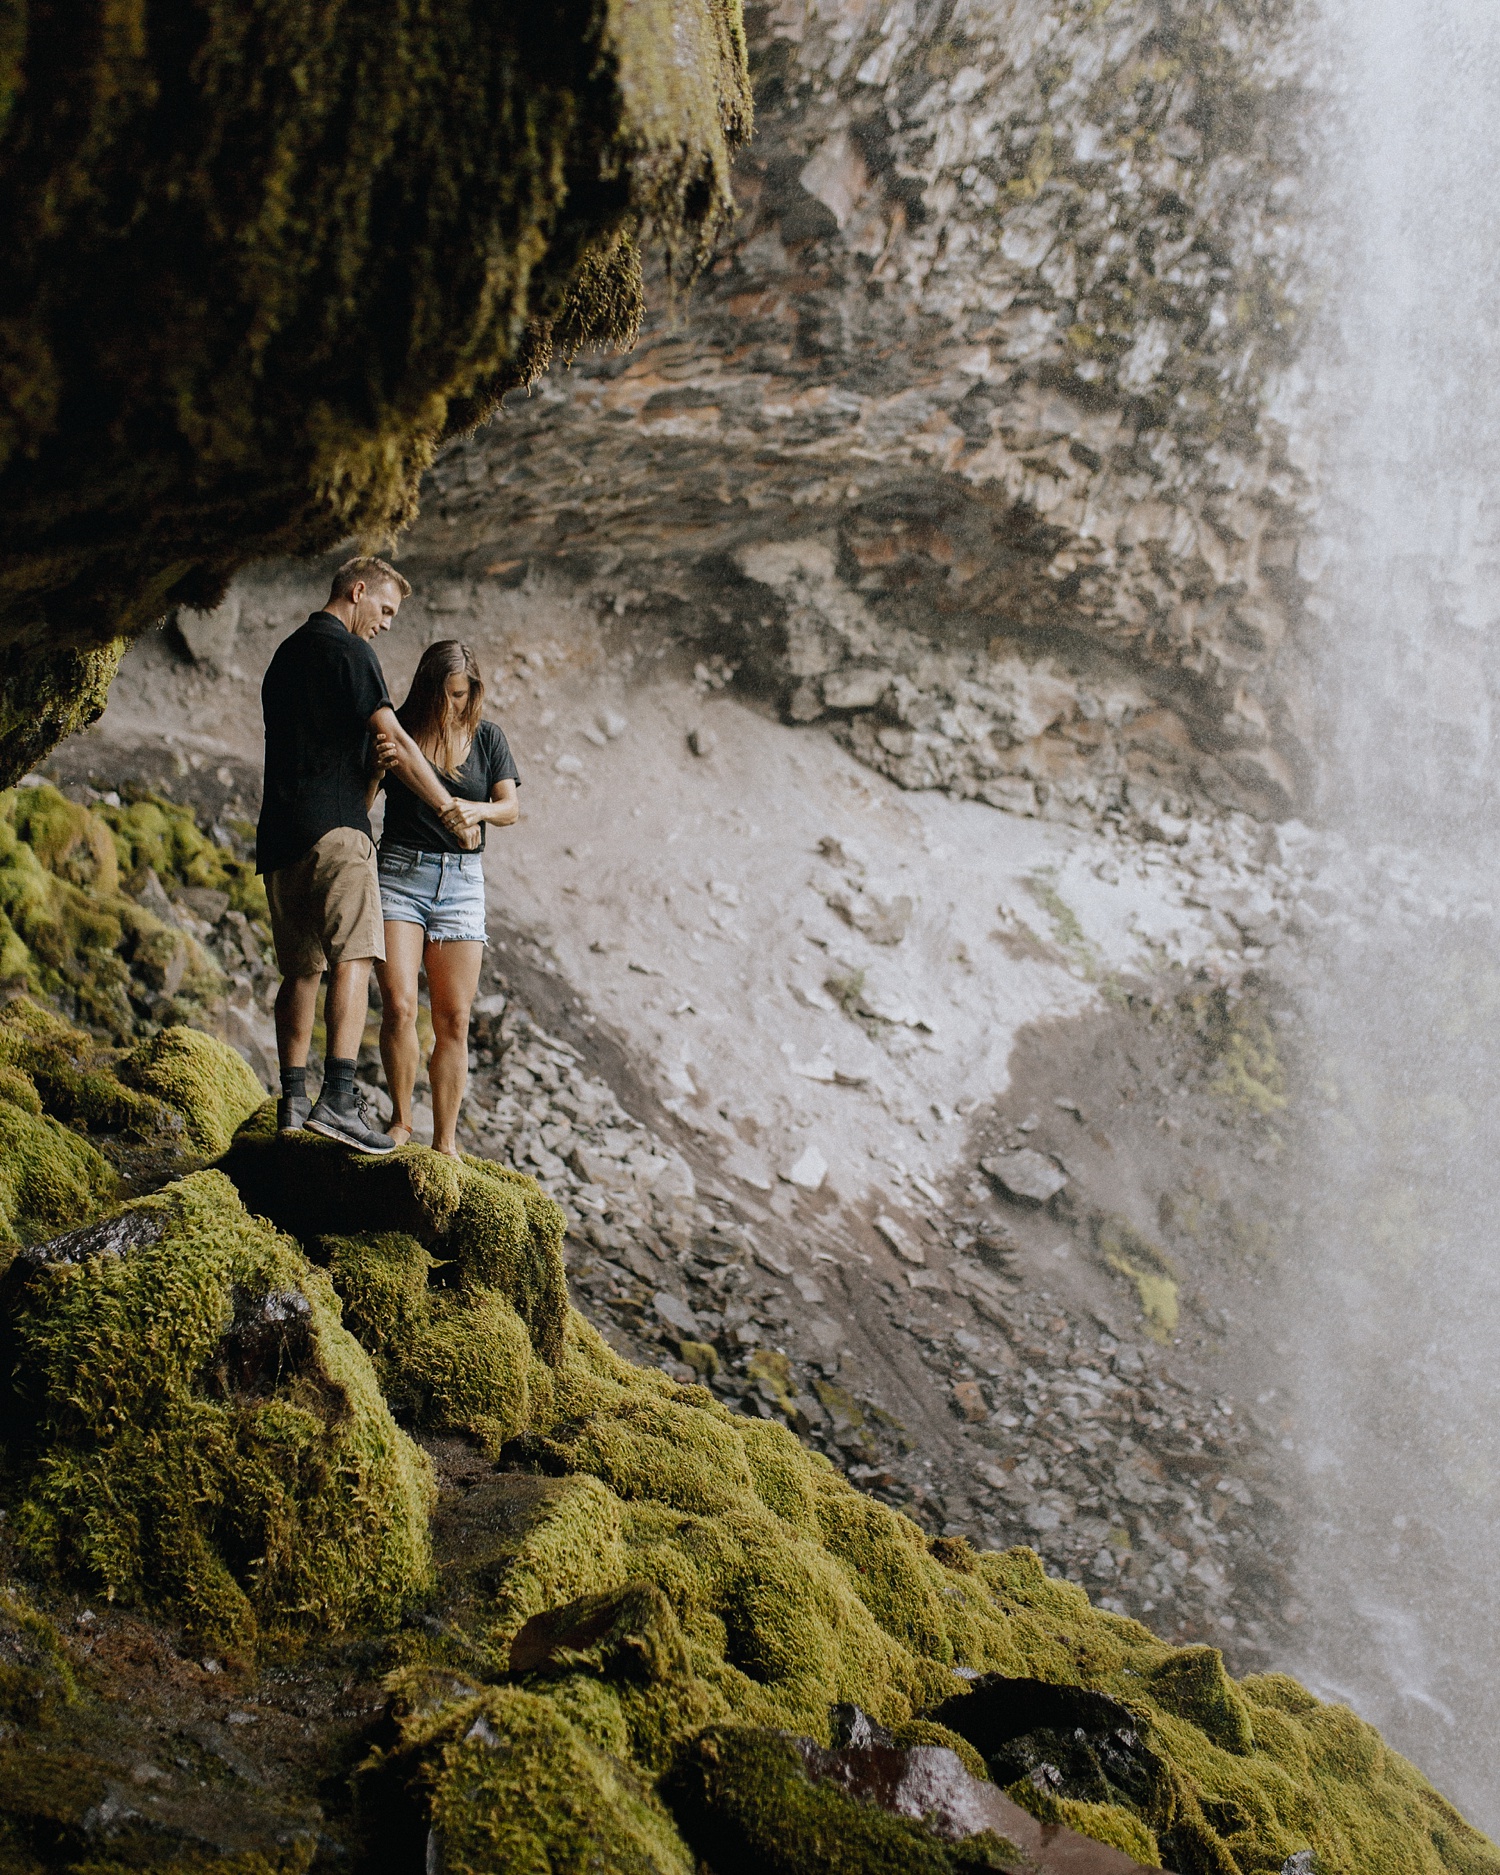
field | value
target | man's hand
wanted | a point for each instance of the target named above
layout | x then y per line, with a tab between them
461	816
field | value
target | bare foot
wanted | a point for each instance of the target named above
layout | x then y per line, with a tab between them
401	1134
448	1152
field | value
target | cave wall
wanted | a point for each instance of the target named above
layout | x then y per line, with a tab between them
968	444
261	261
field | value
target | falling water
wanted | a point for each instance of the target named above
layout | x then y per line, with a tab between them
1398	1272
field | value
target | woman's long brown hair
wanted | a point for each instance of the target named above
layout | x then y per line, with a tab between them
443	738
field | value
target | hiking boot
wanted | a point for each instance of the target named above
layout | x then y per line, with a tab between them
291	1113
350	1124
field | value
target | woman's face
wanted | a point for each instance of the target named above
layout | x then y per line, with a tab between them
455	695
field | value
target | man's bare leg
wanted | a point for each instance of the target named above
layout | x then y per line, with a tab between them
296	1006
346	1007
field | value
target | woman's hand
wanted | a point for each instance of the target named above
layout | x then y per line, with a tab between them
386	751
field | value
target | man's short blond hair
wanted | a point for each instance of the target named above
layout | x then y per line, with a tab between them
372	571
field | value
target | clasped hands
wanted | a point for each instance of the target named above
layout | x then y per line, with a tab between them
461	818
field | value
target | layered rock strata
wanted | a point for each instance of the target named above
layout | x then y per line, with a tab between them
968	444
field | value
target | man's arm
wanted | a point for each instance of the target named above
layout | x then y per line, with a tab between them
502	809
407	762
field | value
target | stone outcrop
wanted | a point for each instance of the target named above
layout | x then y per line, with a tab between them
966	445
261	262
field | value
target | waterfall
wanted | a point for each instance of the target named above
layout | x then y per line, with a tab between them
1395	1267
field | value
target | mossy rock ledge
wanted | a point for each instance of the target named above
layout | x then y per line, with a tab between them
631	1631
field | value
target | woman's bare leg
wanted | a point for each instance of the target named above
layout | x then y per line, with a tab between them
399	1051
452	978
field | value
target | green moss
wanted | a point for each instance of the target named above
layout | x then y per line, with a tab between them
191	1426
1241	1042
180	1087
701	1356
747	1807
1068	934
492	1227
511	1783
1105	1822
166	837
50	1179
67	930
448	1360
264	260
36	1677
1141	1263
73	1076
791	1591
47	694
201	1078
926	1732
1192	1684
71	843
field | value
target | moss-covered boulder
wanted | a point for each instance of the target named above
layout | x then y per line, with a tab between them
208	1084
748	1805
63	1096
188	1425
71	927
49	1177
73	1077
491	1232
261	260
509	1782
449	1359
780	1591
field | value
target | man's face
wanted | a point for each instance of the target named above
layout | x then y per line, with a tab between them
375	607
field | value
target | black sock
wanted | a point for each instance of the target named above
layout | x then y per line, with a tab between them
294	1083
338	1081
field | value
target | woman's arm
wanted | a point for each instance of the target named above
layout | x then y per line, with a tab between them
502	809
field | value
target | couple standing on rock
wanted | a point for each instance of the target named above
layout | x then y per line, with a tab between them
332	741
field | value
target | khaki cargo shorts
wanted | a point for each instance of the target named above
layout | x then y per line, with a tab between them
325	907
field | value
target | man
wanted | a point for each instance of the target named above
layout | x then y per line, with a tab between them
323	697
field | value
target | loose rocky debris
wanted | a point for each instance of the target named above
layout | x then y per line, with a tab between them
942	1384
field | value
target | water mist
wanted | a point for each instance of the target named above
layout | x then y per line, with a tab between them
1394	1270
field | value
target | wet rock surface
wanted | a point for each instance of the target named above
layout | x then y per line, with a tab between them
830	1809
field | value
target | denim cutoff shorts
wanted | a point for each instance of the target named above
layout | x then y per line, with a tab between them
442	892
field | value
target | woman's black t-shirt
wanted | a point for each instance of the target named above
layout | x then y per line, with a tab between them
411	822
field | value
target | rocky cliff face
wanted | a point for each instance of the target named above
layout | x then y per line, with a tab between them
967	444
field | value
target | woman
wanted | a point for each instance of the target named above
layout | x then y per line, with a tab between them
432	882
